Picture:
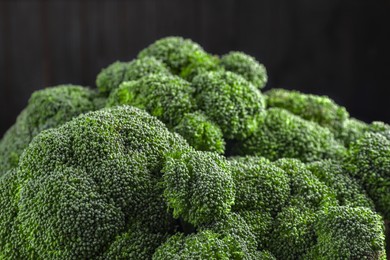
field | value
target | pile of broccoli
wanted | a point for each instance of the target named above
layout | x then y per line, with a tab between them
178	154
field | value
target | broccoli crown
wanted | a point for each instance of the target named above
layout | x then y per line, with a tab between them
176	52
198	186
381	128
281	134
259	185
111	77
201	133
345	232
166	97
293	232
348	191
137	242
46	109
319	109
81	184
246	66
369	162
230	101
228	238
260	224
352	130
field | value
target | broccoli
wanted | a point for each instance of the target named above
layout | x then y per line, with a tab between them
182	56
348	191
201	133
167	97
345	232
198	186
46	109
246	66
368	161
178	155
281	134
230	101
319	109
259	185
111	77
97	173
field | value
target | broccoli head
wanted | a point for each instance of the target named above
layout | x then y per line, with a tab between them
281	134
201	133
180	55
345	232
230	101
259	185
246	66
320	109
368	161
198	186
111	77
166	97
82	184
348	191
47	108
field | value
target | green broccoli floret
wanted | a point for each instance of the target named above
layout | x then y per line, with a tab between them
349	233
10	243
166	97
246	66
230	101
320	109
259	185
137	242
201	133
306	189
293	232
80	185
380	128
281	134
369	162
198	186
260	224
183	56
348	191
111	77
229	238
352	130
46	109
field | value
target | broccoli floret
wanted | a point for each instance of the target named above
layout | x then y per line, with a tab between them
349	233
198	186
179	54
352	130
230	101
281	134
380	128
293	232
81	184
10	243
46	109
229	238
260	224
306	190
246	66
166	97
369	162
201	133
348	191
319	109
111	77
259	185
136	243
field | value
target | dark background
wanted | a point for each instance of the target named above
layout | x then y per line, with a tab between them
333	47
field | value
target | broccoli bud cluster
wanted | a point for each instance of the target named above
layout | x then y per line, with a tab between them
178	154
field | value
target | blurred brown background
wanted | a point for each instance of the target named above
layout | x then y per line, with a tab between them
334	47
